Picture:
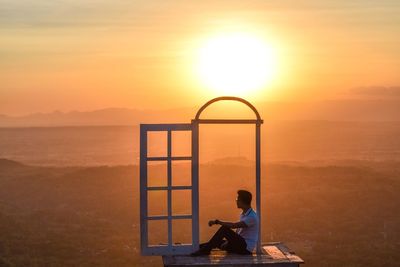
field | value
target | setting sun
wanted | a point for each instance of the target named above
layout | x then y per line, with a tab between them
236	64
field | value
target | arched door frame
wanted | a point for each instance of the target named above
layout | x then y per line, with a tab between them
195	151
171	248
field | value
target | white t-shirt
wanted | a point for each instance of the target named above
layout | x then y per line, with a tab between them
249	233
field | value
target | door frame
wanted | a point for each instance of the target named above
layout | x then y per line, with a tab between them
194	128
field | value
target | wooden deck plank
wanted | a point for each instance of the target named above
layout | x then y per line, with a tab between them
273	256
275	252
288	253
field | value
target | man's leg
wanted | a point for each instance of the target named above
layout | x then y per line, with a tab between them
239	247
216	240
202	245
235	241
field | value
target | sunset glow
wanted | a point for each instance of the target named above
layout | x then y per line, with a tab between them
176	133
236	64
77	56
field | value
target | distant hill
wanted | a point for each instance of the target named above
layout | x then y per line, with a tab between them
108	116
10	164
336	110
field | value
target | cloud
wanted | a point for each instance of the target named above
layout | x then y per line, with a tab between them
62	13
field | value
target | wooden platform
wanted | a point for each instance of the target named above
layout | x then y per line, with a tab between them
275	254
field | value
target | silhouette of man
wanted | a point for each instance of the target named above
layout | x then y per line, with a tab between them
241	241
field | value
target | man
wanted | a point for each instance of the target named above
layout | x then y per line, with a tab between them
244	240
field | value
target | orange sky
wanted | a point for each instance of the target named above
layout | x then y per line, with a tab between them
84	55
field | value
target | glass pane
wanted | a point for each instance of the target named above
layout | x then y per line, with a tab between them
157	232
157	144
157	173
181	231
181	143
181	172
181	202
157	202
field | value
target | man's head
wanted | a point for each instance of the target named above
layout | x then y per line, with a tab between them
243	199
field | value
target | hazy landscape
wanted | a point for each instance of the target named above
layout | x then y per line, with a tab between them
281	141
70	196
335	215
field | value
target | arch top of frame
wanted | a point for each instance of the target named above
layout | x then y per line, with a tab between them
229	98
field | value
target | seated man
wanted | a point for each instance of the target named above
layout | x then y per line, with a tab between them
244	240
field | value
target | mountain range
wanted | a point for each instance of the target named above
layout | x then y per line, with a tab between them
334	110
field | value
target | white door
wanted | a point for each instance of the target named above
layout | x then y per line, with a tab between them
169	205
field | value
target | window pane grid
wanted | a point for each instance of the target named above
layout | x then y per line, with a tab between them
174	187
168	158
174	217
169	217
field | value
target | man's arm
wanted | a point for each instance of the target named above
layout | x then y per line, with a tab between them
239	224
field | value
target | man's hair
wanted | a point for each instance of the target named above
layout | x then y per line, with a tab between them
244	196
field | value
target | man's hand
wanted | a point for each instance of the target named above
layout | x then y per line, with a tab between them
212	222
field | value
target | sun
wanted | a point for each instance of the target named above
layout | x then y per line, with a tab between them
236	64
